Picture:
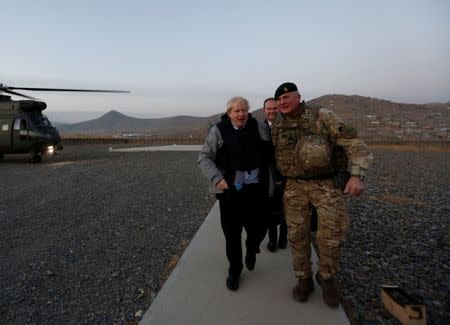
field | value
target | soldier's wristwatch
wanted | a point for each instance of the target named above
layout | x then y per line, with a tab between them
361	177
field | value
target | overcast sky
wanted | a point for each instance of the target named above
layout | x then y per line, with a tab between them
190	57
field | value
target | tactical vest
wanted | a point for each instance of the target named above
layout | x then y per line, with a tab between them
302	151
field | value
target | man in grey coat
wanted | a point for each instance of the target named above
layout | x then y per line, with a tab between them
236	157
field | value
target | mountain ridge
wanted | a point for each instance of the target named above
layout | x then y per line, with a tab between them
374	118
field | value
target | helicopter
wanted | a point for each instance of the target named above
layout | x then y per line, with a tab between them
23	127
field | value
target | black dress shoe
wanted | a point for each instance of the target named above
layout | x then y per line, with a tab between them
272	247
250	260
282	242
232	282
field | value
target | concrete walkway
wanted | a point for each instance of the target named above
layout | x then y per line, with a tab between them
174	147
195	292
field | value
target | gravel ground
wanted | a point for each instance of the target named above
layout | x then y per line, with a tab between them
86	238
399	235
89	236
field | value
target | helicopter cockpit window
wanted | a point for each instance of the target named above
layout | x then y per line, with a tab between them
41	121
20	124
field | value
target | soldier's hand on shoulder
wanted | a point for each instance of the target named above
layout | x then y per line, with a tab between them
354	186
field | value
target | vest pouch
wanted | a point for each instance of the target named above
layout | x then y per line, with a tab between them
286	139
313	155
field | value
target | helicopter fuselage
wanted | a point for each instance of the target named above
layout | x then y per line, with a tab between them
24	129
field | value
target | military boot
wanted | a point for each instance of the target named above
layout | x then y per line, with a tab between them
330	292
303	289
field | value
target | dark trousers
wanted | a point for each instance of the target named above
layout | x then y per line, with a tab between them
275	217
273	231
241	209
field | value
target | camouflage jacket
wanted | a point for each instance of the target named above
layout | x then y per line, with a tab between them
322	123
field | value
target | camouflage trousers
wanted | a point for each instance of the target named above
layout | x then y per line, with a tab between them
333	223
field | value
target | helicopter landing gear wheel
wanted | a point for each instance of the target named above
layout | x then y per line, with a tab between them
36	159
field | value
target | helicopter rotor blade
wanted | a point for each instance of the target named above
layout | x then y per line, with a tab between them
64	89
17	94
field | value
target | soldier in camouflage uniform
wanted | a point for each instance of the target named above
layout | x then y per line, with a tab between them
307	141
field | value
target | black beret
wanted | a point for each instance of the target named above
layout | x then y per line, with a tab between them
287	87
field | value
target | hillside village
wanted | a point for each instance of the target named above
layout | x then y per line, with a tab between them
375	119
380	119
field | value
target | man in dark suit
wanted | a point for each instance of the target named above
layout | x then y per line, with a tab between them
275	212
236	158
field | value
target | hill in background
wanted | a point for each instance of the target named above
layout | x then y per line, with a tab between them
115	123
374	118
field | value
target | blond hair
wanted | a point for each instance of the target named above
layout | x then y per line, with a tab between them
235	100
